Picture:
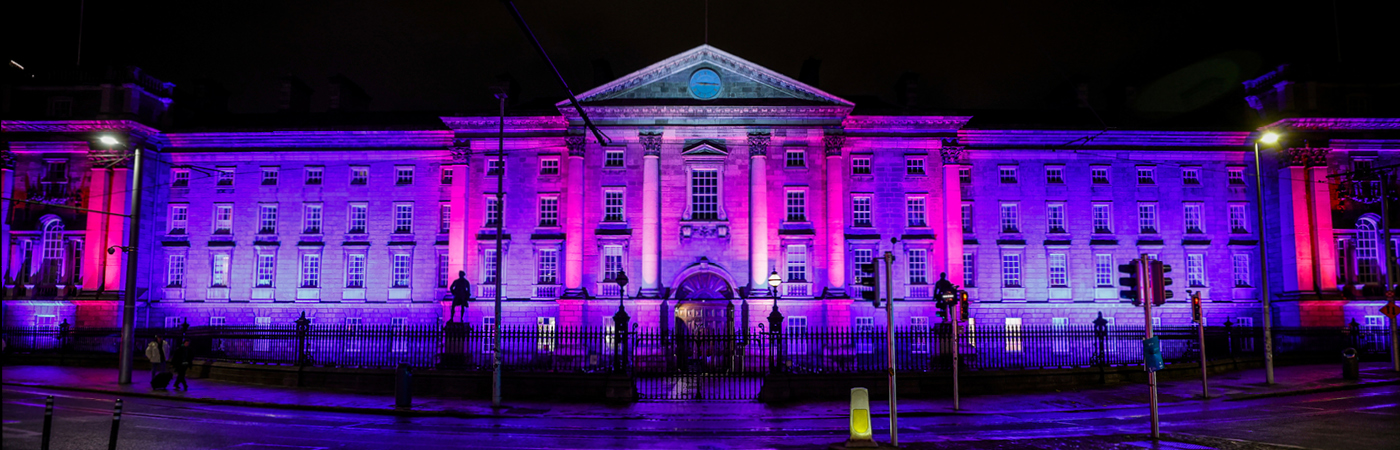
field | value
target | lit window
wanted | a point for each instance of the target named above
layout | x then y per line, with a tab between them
1235	176
860	211
613	206
967	218
1059	270
488	266
612	261
1191	212
267	219
1103	270
860	166
796	206
549	166
1367	252
448	174
860	257
704	195
1147	218
311	218
218	270
269	176
493	211
225	176
1241	270
915	212
443	274
310	270
355	271
223	219
314	174
401	270
1055	217
1238	221
1099	174
359	175
1010	218
797	158
403	175
549	211
175	272
1190	175
969	270
359	218
1011	270
1147	175
613	158
495	167
1196	270
444	218
179	218
180	177
797	263
547	271
1008	175
1055	174
265	271
1103	218
403	218
918	266
914	166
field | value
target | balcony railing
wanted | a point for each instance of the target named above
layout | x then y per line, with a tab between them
547	291
609	290
796	289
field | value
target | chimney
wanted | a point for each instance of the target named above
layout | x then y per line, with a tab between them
811	72
346	96
293	95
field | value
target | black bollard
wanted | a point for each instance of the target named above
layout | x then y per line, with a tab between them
116	422
48	422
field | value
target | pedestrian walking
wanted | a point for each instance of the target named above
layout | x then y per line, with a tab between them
181	359
155	352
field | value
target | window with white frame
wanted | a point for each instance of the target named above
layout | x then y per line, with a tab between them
1240	268
613	158
1013	334
1008	174
969	269
549	211
1367	252
1191	214
796	206
355	270
1235	175
1147	175
1055	174
1196	270
1239	220
265	271
1099	174
1059	270
444	218
179	218
1010	218
860	211
403	265
918	266
612	262
1055	217
547	270
179	177
310	270
860	257
223	218
488	266
267	219
1103	218
218	270
358	218
403	175
915	211
493	211
544	328
796	330
865	331
796	158
488	323
403	218
447	175
314	175
964	175
175	271
444	265
1103	270
1011	270
1191	176
269	176
311	218
359	175
967	218
613	205
549	166
914	166
225	176
860	165
495	167
704	194
797	263
1147	218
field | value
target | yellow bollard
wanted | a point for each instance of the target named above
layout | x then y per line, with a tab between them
861	433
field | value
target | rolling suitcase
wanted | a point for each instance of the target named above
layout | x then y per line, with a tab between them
161	380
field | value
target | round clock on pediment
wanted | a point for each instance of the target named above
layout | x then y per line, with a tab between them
705	84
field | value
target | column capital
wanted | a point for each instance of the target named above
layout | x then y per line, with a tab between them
952	154
1308	156
576	145
758	144
651	143
461	150
833	143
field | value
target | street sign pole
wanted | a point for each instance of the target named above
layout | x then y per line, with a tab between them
1390	310
889	333
1198	313
957	323
1146	290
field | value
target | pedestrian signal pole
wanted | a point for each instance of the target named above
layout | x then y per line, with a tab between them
889	336
1198	316
960	315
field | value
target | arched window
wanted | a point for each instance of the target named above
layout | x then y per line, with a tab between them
1368	268
52	266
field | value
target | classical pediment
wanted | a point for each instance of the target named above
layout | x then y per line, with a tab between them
683	80
704	149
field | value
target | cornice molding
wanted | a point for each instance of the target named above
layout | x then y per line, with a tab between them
1112	138
1333	124
718	112
513	124
77	126
905	123
315	139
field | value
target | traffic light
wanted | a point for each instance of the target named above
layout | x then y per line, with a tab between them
1160	294
964	306
1134	271
1197	315
872	283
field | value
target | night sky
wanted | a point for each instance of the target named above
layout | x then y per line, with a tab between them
969	56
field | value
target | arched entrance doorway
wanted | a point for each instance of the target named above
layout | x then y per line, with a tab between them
702	303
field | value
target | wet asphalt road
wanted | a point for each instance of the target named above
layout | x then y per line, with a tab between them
1348	420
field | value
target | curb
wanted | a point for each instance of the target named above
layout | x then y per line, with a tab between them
1343	387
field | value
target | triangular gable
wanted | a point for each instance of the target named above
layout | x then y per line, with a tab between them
743	80
704	149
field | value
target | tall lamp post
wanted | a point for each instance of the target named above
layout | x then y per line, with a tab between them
620	320
128	338
1268	138
500	233
775	320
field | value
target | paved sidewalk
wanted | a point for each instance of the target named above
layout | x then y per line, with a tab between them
1232	386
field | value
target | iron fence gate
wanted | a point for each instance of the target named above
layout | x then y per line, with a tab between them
698	364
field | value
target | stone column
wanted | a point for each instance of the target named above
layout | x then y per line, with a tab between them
1295	229
952	155
95	248
758	215
1324	241
835	216
7	190
651	214
117	191
458	247
573	219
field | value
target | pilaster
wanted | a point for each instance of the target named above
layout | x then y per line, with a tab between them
952	156
758	214
835	215
573	219
458	237
651	214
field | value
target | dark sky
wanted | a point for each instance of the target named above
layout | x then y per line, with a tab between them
440	55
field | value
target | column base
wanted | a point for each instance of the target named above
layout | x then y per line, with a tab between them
835	292
649	293
575	293
759	293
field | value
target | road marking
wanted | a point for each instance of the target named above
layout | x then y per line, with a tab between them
255	445
1167	445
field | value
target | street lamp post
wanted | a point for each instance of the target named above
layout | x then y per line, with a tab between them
775	320
620	320
1267	138
128	338
500	234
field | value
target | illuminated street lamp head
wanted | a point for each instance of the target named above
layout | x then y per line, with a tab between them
774	280
108	140
1269	137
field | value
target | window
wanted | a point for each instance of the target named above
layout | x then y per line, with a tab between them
1147	218
359	218
1191	212
495	167
1196	270
918	266
1147	175
1191	176
488	323
548	269
401	270
403	218
860	211
314	174
225	176
53	248
1055	216
359	175
1008	175
915	212
217	321
1367	253
704	195
1241	270
403	175
265	271
860	166
175	272
1013	334
180	177
1103	219
267	219
1362	165
1099	174
613	158
218	270
549	166
1235	175
1011	270
448	174
311	218
796	158
443	274
1010	218
797	263
969	270
1342	270
310	270
444	218
914	166
269	176
860	257
964	175
549	211
77	262
179	218
1238	222
488	266
796	206
223	218
613	206
865	328
1055	174
612	262
967	218
355	271
1103	270
1059	270
797	331
493	211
